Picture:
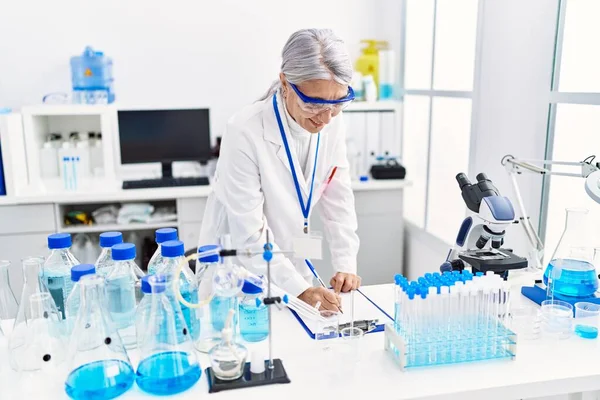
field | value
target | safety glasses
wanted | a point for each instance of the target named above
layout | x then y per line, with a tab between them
315	106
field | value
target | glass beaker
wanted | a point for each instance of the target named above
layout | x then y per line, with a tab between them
587	316
99	365
571	271
168	360
557	319
8	300
328	328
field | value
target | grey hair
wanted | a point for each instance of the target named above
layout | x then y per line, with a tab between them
314	54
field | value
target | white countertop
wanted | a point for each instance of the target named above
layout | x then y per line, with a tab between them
113	192
541	368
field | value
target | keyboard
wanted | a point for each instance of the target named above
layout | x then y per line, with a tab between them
165	182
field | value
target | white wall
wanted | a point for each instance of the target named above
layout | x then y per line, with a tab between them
221	54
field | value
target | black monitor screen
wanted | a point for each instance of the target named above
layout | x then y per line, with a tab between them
164	135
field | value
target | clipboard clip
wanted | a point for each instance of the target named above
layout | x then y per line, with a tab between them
366	325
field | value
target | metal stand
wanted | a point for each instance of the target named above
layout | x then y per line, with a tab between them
274	370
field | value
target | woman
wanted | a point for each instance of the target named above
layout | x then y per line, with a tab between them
284	155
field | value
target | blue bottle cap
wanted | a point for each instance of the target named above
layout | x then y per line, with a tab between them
149	280
363	178
80	270
251	287
123	251
59	241
109	239
172	248
164	234
208	259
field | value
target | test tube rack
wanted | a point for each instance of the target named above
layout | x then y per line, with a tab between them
425	353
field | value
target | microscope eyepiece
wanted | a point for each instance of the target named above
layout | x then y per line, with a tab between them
481	177
462	180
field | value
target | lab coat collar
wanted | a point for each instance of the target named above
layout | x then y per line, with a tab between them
271	133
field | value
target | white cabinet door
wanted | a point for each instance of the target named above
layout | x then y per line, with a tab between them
189	233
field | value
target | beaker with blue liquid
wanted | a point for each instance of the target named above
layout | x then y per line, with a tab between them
99	365
571	272
168	360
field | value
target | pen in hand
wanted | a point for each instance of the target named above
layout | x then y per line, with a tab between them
316	275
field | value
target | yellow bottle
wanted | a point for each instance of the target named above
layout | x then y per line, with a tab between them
368	62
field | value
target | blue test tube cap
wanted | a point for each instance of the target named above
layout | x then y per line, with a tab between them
213	258
165	234
429	276
422	281
446	273
479	273
123	251
59	241
398	279
172	248
81	270
436	275
411	294
424	293
455	272
109	239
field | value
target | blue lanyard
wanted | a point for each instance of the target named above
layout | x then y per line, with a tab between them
305	209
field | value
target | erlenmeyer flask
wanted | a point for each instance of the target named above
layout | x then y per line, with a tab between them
37	338
99	366
8	301
573	257
168	364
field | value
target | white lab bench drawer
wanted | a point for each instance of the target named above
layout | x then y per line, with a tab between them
191	209
29	218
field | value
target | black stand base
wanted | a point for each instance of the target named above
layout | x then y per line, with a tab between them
269	377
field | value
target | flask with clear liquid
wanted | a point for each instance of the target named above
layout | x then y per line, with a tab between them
172	255
99	365
37	336
122	287
104	263
228	358
161	235
56	272
168	361
254	314
571	271
8	300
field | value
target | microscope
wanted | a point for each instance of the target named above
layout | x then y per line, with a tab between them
481	235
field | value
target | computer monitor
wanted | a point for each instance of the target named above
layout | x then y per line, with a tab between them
164	136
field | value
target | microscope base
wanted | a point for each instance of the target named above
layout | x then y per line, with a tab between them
537	294
248	379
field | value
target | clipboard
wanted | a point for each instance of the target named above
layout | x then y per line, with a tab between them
365	308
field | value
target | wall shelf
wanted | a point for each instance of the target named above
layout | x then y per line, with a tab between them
374	106
117	227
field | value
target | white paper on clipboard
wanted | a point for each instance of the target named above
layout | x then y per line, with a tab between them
363	309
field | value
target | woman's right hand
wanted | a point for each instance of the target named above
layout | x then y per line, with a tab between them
328	299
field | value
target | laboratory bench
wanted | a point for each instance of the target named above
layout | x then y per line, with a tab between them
26	221
540	369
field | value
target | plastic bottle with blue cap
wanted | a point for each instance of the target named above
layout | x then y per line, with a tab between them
172	255
72	306
214	315
104	263
254	314
161	235
124	291
56	271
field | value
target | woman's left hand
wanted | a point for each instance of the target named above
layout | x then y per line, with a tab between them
345	282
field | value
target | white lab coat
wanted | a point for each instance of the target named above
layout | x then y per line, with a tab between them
253	190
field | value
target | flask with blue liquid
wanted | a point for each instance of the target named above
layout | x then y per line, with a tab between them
168	360
74	299
571	272
254	314
122	286
161	235
172	256
56	272
99	365
104	263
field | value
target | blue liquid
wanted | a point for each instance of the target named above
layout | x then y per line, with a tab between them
577	279
167	373
219	308
254	322
58	290
105	379
190	316
586	331
121	301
